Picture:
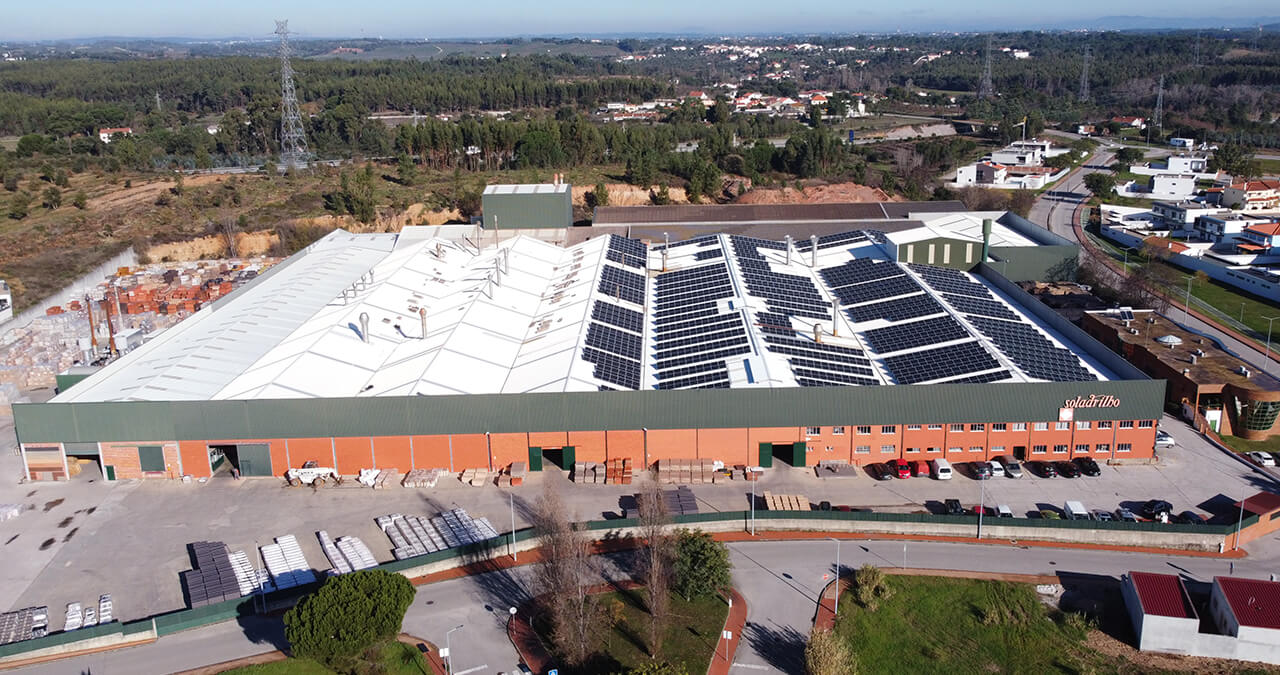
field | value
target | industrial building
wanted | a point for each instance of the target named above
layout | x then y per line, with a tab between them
1239	619
533	206
883	339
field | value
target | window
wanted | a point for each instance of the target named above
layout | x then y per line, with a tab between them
888	429
997	449
935	427
1041	426
1039	449
912	450
1060	449
977	427
1146	424
1082	426
913	427
931	449
1019	426
1124	447
1082	448
1104	425
976	448
1102	448
1126	424
863	449
813	431
839	431
888	449
864	430
953	450
957	427
999	426
1061	426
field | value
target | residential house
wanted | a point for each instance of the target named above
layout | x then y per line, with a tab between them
1181	215
1020	154
1086	129
987	172
1182	163
1260	239
1171	186
1254	195
1224	227
1134	122
106	134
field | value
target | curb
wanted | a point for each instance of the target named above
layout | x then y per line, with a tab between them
727	650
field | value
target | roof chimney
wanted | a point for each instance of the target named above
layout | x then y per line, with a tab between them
817	333
666	238
788	249
986	238
364	327
835	324
422	313
1194	359
813	241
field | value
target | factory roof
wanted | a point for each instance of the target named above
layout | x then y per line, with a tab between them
528	189
412	315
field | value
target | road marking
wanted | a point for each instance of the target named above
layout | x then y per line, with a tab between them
472	670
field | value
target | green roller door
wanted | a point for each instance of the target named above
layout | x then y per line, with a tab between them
255	459
535	459
766	455
151	457
570	455
798	453
110	471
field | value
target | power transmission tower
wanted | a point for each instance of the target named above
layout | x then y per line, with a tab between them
1157	116
294	153
159	108
1084	76
985	88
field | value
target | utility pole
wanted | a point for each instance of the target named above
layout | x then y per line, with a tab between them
1084	76
159	107
985	88
1157	118
294	153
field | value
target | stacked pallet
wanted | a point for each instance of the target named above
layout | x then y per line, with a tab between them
474	477
75	618
748	473
358	555
588	472
339	562
785	502
386	478
414	536
105	609
687	471
514	475
286	563
24	624
677	502
618	471
246	576
420	478
214	578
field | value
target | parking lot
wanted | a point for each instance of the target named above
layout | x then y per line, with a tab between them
133	543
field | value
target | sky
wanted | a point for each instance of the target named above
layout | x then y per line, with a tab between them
59	19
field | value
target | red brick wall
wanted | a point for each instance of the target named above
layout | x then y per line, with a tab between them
392	452
353	455
195	458
624	444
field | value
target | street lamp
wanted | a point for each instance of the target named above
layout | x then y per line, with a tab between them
753	500
512	498
836	611
1266	357
1235	545
982	497
448	665
1186	312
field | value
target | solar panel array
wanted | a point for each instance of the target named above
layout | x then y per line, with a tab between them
832	240
1034	354
621	284
621	317
629	252
903	336
900	309
692	337
936	364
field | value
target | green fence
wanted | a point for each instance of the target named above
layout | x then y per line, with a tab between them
59	639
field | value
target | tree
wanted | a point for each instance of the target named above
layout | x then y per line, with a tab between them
827	654
599	196
406	171
19	205
662	197
701	564
869	586
655	562
566	572
1231	158
1129	156
1059	162
348	615
51	198
269	169
1100	184
1021	201
11	181
80	200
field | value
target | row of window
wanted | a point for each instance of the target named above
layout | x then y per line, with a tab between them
865	430
1082	448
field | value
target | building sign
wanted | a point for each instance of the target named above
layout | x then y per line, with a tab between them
1093	401
1066	414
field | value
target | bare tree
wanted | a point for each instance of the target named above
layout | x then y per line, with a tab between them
566	573
655	561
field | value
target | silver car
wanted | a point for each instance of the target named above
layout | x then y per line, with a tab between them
1102	516
1013	469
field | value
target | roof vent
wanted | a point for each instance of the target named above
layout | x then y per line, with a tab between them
364	327
1170	340
1194	359
813	241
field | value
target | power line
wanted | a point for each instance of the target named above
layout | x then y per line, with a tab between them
1084	76
294	153
985	88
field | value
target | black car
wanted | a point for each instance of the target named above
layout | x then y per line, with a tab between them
1087	466
954	508
1190	518
1153	508
1045	469
981	470
1068	470
879	471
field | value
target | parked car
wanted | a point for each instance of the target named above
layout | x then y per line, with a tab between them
1164	440
954	508
1087	466
824	505
1045	469
1125	515
880	471
1102	516
1075	510
1050	514
1067	469
981	470
1012	469
996	469
1152	508
900	467
1003	511
1190	518
940	469
1262	458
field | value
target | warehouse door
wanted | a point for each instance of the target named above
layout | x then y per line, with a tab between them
535	458
151	458
766	455
561	457
254	459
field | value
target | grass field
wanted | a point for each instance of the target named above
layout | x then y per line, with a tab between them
397	659
689	641
1241	445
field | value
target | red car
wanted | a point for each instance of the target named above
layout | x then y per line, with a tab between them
901	467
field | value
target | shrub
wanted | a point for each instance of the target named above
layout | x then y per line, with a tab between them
348	615
701	564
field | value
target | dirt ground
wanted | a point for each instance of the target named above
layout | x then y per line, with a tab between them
206	248
147	192
1122	652
622	194
817	194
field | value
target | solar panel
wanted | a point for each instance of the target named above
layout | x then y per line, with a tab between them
983	378
675	373
830	379
859	270
621	284
691	359
1033	352
900	309
700	381
951	281
629	252
614	341
696	240
709	254
612	368
969	305
704	324
618	316
902	336
879	290
943	362
1126	315
728	339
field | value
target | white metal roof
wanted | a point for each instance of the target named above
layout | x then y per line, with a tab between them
527	189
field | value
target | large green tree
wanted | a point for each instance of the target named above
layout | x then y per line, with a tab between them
701	564
348	615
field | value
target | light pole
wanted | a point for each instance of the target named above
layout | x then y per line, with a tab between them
836	611
1186	312
511	496
1266	357
982	497
1235	545
448	665
753	501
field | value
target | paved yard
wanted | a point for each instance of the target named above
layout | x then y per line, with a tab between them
133	544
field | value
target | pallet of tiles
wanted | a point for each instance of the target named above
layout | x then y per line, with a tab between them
421	478
386	478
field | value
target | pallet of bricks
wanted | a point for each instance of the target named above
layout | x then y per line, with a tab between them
474	477
785	502
618	471
386	478
24	624
514	475
687	471
588	472
216	576
744	472
422	478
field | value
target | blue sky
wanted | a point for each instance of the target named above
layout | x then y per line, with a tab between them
433	18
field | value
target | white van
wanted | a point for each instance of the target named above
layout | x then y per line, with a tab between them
1003	511
941	469
1075	511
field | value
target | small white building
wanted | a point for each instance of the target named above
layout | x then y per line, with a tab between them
1248	610
6	302
1178	215
105	135
1171	186
1164	620
1187	164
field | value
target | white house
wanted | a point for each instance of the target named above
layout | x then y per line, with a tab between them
1248	610
1224	227
1183	214
106	134
1254	195
988	172
1187	164
6	302
1259	239
1171	186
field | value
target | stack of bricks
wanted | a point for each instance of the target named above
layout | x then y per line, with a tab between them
618	471
745	472
386	478
785	502
591	473
687	471
475	477
420	478
514	475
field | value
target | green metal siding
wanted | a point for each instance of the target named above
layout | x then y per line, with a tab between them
1036	263
577	411
521	211
151	457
